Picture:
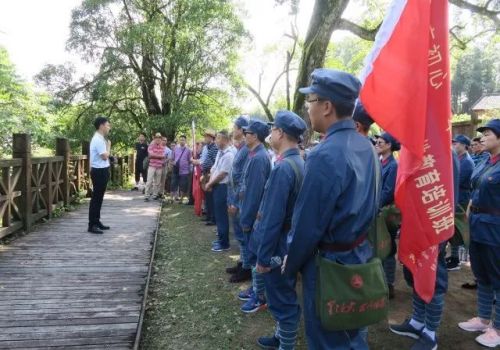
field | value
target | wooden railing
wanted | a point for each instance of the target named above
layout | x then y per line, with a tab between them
31	188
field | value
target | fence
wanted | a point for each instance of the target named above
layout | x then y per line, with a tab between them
31	188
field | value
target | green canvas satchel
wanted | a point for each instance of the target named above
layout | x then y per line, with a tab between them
462	231
389	218
350	296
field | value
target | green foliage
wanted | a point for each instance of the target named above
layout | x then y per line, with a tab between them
457	118
477	72
22	110
348	54
160	64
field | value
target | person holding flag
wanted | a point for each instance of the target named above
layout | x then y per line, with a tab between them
385	146
411	50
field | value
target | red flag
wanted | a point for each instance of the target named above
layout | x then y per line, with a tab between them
198	194
407	92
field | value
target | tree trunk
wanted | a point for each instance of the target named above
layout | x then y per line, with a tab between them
326	17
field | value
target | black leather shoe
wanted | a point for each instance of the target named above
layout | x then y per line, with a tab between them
210	223
102	227
234	269
95	229
241	276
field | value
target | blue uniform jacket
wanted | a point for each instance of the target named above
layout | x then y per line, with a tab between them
456	177
336	203
255	174
389	173
466	169
485	228
236	173
274	217
479	158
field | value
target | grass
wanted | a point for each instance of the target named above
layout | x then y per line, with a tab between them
191	304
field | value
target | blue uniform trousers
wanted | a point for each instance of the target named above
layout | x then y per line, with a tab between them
317	337
430	313
209	206
220	211
485	264
242	239
283	305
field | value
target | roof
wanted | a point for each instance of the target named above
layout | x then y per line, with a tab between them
487	102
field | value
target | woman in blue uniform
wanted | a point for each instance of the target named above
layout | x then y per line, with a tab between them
484	250
385	146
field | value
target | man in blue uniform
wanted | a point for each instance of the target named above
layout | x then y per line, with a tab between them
242	271
268	240
255	174
461	145
385	146
478	154
362	120
337	201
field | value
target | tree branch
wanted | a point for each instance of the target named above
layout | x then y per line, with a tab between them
481	10
261	101
462	43
362	32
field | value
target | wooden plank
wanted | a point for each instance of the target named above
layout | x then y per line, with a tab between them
67	322
70	315
62	288
64	343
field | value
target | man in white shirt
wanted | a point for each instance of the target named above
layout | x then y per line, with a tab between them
99	173
218	185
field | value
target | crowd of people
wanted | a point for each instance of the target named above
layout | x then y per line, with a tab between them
289	207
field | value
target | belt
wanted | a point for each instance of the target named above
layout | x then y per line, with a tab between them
491	211
342	247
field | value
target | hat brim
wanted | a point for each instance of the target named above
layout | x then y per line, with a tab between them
307	90
484	128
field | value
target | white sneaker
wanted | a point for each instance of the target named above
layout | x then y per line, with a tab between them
474	325
490	338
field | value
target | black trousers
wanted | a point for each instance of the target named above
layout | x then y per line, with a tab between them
140	171
100	178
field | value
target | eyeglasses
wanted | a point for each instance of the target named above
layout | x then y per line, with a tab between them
248	133
314	100
380	143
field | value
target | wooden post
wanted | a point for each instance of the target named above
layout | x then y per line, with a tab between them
47	193
6	181
22	149
62	149
120	171
86	167
131	163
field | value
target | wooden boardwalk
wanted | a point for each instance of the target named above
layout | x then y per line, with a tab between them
64	288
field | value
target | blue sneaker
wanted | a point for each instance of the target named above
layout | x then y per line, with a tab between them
254	304
405	329
246	294
219	247
215	242
425	342
269	342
